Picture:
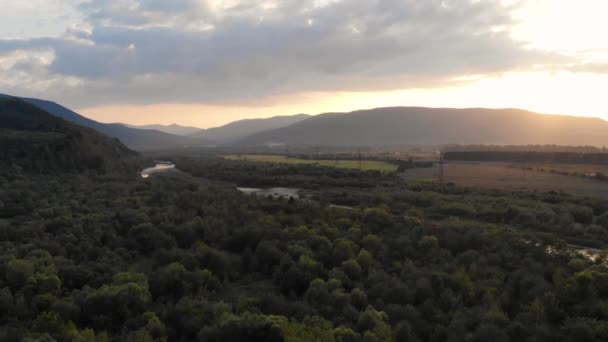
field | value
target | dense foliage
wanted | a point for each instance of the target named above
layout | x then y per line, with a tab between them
181	258
245	173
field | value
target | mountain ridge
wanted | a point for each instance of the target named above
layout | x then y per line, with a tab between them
173	128
137	139
240	129
413	126
437	126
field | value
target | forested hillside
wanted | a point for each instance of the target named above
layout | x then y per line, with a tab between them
34	141
179	258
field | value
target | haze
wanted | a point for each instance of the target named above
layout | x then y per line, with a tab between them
205	63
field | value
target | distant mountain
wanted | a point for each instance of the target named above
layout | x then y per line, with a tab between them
174	129
417	126
34	140
138	139
238	130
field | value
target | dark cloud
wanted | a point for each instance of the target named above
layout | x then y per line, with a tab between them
191	51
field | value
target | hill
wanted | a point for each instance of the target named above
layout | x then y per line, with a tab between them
137	139
238	130
417	126
33	140
174	129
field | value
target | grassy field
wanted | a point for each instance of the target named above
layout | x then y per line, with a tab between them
347	164
505	176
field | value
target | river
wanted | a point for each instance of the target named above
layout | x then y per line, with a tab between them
159	167
272	192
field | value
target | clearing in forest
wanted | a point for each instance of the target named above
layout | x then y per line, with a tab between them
346	164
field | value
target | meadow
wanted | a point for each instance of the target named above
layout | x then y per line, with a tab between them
506	176
365	165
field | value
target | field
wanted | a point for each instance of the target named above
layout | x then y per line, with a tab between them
345	164
505	176
582	169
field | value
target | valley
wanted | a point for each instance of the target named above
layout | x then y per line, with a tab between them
103	243
303	171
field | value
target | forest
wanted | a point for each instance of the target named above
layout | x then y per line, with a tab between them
186	257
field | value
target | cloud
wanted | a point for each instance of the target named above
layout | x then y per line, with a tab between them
152	51
590	68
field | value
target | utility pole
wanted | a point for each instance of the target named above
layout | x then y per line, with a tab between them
441	171
359	165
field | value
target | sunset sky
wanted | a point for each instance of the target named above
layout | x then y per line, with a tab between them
208	62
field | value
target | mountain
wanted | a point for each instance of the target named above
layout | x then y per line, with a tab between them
137	139
417	126
238	130
174	129
34	140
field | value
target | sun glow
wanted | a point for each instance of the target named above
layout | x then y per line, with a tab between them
544	92
575	29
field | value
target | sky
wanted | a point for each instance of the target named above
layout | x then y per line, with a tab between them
208	62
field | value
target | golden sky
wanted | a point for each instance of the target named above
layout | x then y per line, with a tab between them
575	28
205	63
550	93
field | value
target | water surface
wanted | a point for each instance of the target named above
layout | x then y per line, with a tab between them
159	167
272	192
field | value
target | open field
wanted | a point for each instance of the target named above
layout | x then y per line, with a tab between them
505	176
345	164
582	169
